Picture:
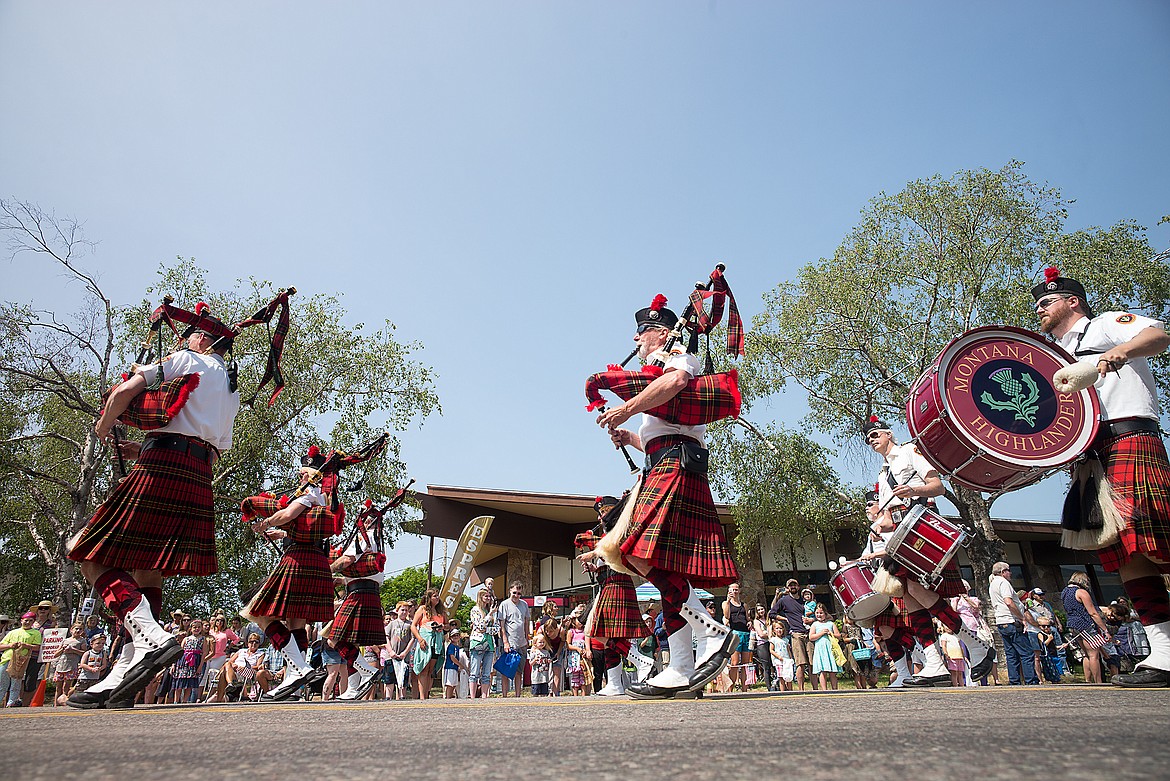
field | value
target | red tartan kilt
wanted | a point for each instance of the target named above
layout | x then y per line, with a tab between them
894	616
675	527
1139	474
616	613
301	586
160	517
359	620
705	399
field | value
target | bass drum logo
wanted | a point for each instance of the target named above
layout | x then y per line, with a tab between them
1014	397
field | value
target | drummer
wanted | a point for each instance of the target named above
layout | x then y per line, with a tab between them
907	479
1130	445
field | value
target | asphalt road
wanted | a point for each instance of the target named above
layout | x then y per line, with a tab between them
1053	733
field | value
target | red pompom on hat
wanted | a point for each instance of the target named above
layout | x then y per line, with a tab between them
368	503
658	302
1051	274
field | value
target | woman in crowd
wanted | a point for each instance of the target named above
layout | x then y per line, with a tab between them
243	667
554	632
970	610
188	669
763	648
482	643
220	637
821	634
1085	624
336	676
429	628
735	616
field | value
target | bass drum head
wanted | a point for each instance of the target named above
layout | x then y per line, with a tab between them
996	389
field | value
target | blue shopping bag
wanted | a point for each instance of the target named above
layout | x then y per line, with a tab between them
508	664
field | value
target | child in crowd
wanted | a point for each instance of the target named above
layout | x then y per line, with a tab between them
452	664
188	670
576	661
541	660
67	658
1049	661
952	651
782	654
93	663
810	604
821	632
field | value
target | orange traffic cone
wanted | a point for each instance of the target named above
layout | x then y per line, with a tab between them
38	699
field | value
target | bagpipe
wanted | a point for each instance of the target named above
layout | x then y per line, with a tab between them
332	516
707	398
369	536
164	398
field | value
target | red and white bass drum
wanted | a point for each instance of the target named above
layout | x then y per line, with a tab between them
987	415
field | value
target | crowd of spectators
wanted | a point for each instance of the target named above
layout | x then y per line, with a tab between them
792	644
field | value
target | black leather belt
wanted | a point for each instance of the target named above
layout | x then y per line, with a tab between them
361	586
319	547
196	448
1111	429
697	451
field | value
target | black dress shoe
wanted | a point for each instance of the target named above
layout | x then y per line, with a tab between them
983	668
710	669
88	699
645	691
120	704
141	674
926	681
1142	678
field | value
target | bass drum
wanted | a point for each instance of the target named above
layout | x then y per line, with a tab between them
986	414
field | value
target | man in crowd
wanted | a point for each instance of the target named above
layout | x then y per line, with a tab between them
20	648
1129	443
1010	621
788	605
515	627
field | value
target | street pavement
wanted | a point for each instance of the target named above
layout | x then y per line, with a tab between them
1055	733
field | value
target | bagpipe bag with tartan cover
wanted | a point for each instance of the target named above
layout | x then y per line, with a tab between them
706	398
164	398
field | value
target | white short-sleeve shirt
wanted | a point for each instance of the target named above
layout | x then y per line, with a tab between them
211	408
908	467
1129	392
653	427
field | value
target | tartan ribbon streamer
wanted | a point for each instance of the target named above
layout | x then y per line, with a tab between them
272	369
703	323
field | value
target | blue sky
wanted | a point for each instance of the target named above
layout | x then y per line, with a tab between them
507	182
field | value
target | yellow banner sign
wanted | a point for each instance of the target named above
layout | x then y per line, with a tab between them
470	541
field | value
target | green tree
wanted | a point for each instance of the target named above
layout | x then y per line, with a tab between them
922	266
411	583
346	384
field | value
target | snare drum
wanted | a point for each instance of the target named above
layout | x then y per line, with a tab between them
924	542
986	415
853	585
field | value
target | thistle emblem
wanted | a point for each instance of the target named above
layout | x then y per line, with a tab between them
1024	403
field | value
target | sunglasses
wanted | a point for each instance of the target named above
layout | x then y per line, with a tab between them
644	327
873	435
1044	303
